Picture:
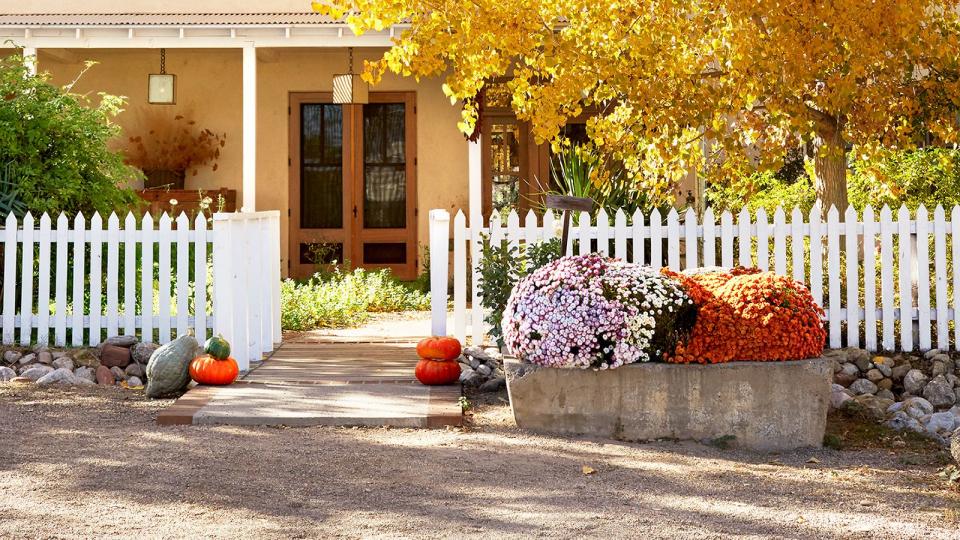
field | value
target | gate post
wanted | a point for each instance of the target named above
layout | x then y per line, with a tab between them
439	268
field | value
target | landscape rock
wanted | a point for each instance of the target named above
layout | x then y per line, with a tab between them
874	406
917	407
901	421
81	381
121	341
884	364
939	392
85	373
63	362
847	374
886	394
114	356
57	376
859	357
874	375
914	381
118	373
134	381
838	396
104	376
141	352
134	370
942	423
955	446
7	374
27	359
44	357
493	384
12	357
36	372
939	368
863	386
898	372
85	358
484	370
885	384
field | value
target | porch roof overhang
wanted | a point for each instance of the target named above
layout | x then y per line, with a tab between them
185	30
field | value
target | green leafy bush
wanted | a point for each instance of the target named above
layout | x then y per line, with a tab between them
340	299
501	267
56	145
928	177
762	190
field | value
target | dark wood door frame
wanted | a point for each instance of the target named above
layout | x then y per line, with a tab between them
353	235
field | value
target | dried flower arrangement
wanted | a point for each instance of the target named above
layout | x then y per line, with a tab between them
172	144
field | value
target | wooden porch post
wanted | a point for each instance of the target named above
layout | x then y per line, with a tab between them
249	128
475	178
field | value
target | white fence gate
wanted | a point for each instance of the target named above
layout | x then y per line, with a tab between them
902	292
77	282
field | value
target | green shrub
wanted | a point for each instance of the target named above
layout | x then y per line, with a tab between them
340	299
54	145
928	177
762	190
501	267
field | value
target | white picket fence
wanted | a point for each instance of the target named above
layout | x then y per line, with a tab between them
914	303
75	283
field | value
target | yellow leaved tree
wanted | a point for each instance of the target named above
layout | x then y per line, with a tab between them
726	86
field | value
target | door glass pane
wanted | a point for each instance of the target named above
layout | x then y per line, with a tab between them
505	166
321	166
384	253
384	166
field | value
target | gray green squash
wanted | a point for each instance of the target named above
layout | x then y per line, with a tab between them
168	371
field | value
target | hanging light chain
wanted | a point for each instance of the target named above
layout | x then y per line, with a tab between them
163	61
350	52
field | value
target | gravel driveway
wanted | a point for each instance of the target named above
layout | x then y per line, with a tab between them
91	462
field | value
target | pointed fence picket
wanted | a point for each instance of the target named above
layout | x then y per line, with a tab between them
886	281
79	283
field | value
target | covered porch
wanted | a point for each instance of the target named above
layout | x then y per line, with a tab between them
257	78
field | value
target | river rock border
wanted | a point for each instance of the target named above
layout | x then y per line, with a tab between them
118	361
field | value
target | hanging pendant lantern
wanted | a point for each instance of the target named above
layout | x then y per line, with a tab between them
349	87
162	87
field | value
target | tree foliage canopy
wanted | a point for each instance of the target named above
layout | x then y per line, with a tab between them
56	146
753	77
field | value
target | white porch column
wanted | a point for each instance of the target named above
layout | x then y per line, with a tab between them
249	129
30	59
475	177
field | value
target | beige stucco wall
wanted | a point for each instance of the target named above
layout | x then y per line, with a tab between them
209	91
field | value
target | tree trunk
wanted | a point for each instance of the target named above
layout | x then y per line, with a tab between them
830	166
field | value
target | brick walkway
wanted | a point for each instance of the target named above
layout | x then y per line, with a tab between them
326	379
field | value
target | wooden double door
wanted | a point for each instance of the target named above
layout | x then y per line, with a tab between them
353	183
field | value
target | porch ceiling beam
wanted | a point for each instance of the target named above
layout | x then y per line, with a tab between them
63	56
171	37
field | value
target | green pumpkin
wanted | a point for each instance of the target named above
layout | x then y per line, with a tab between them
217	347
168	371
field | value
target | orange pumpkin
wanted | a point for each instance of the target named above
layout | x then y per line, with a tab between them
434	372
206	369
438	348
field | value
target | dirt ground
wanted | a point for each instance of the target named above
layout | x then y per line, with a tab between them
91	463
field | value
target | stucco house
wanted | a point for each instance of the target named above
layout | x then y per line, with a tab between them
358	177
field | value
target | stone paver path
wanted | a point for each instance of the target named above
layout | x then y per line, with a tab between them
326	378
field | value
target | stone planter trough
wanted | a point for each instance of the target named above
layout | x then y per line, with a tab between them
765	406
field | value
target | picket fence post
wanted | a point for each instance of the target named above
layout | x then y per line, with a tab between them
439	250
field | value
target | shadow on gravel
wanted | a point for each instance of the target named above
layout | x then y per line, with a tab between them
313	481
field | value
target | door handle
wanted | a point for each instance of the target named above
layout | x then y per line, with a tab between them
354	211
